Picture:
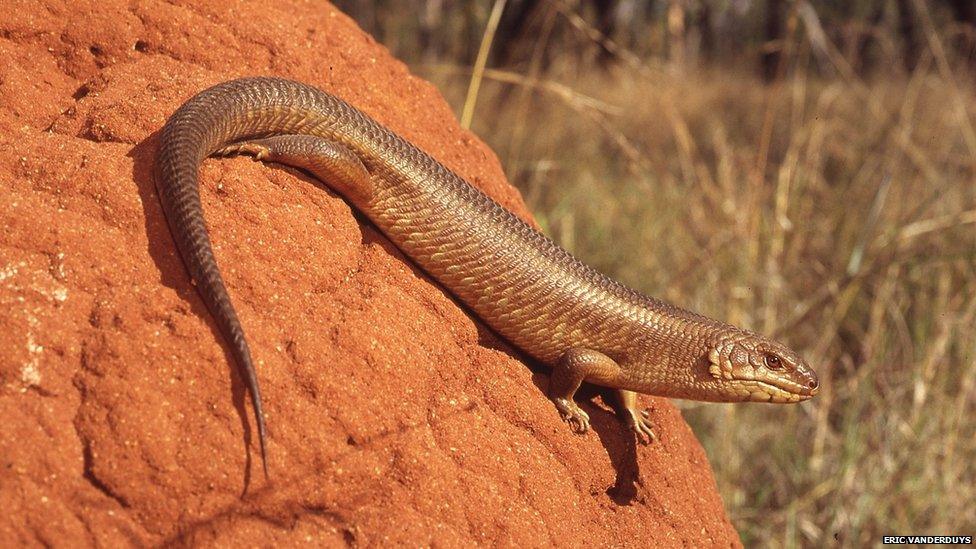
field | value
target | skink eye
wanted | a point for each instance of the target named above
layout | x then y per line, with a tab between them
773	362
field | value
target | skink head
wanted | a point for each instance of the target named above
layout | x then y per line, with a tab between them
754	368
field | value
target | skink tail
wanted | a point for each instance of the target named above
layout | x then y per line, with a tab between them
183	144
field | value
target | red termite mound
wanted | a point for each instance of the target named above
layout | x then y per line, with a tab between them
393	415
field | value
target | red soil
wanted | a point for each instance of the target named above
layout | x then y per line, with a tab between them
393	415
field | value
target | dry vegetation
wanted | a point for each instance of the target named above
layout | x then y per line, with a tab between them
838	217
836	213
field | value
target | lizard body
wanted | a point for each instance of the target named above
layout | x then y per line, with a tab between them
584	325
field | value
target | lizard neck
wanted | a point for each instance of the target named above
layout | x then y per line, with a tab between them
671	359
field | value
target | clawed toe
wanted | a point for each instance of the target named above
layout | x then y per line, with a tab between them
642	430
579	421
639	423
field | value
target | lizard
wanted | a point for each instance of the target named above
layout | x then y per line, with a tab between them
586	327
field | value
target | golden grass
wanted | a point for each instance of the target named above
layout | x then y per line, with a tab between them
839	215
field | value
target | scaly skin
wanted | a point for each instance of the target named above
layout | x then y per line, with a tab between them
585	326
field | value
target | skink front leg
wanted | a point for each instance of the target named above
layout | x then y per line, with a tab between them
581	364
635	419
573	368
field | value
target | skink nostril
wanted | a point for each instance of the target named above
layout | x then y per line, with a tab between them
814	385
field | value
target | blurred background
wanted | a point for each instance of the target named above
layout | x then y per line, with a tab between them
804	169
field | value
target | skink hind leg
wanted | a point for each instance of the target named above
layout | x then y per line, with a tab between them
573	368
636	420
327	160
252	148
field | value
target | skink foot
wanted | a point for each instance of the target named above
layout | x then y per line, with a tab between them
640	425
579	421
637	421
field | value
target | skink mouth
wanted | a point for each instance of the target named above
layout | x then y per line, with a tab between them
761	391
803	385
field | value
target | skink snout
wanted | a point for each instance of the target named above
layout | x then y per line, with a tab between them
812	382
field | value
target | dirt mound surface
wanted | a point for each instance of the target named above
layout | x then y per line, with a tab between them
393	416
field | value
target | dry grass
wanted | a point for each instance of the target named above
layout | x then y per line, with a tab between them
838	215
